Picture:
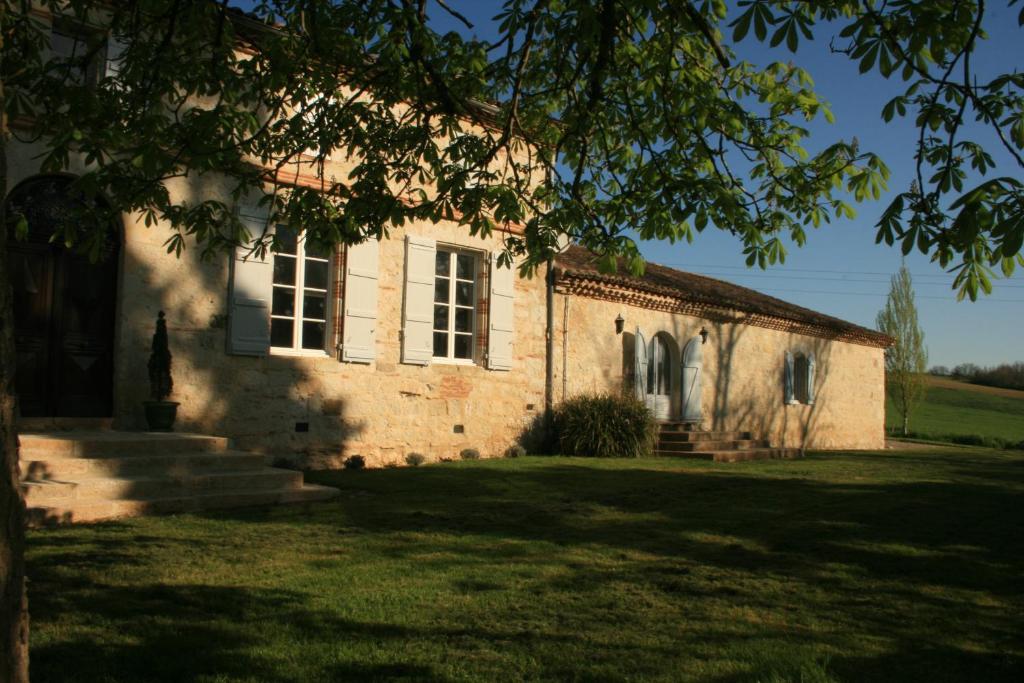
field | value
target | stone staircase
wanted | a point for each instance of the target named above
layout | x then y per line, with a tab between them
87	475
685	440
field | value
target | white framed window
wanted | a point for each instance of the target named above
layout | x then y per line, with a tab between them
455	304
301	306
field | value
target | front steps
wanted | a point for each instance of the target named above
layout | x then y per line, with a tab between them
683	440
91	475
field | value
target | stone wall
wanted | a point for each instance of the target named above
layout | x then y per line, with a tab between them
742	375
382	411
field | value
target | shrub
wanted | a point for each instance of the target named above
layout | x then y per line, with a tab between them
415	459
354	462
605	425
469	454
515	451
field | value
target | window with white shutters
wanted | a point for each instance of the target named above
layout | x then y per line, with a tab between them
301	304
455	298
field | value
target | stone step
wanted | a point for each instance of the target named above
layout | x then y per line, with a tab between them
48	493
703	436
100	444
686	446
168	464
734	456
72	512
63	424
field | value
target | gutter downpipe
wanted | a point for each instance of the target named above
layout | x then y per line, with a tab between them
549	353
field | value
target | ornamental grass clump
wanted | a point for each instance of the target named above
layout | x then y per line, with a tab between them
605	426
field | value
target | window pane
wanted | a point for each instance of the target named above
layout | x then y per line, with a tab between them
464	293
441	344
284	270
314	305
313	335
315	251
284	302
316	274
441	285
464	266
463	346
442	263
281	332
463	319
286	240
440	317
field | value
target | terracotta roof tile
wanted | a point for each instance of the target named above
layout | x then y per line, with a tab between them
578	262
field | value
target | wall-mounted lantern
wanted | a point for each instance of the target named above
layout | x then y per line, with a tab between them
703	335
620	323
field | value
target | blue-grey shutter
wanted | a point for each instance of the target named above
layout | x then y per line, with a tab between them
418	303
359	342
810	379
501	313
115	52
250	293
788	394
640	365
692	409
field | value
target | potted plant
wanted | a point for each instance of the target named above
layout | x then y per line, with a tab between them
160	413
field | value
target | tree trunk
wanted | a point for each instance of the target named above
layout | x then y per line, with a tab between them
13	600
906	423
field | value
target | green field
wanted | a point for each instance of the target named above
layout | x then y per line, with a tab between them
891	566
953	408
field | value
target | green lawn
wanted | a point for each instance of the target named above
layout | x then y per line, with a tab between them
954	408
901	566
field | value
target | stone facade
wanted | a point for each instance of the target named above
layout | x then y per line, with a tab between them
315	411
743	367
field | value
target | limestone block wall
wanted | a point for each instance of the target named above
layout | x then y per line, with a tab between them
742	376
382	411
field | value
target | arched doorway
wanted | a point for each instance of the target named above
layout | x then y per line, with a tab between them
654	364
64	302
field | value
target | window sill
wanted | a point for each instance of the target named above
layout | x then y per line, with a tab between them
298	353
452	361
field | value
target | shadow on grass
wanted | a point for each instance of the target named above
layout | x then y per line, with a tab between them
853	549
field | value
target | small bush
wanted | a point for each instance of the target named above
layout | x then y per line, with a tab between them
415	459
978	440
515	451
354	462
605	426
469	454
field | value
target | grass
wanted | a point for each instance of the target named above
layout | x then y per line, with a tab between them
901	566
952	408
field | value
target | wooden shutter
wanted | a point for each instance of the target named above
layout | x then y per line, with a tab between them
810	379
789	371
501	314
692	374
418	306
359	343
114	57
251	291
640	365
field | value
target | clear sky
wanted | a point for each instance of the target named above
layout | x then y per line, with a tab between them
841	271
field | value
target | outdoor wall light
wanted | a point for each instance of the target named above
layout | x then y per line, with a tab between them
703	335
620	323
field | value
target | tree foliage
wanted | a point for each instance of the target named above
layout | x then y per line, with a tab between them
907	359
600	118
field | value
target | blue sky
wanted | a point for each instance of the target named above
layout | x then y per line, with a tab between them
841	271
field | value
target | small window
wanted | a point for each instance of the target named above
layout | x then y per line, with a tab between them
455	297
301	306
77	60
800	378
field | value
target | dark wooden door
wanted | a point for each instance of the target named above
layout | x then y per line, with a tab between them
64	322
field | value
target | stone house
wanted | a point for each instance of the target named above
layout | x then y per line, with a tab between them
418	343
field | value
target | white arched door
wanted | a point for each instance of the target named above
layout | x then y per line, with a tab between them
658	387
692	367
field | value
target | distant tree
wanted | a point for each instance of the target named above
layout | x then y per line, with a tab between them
966	371
939	370
907	358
